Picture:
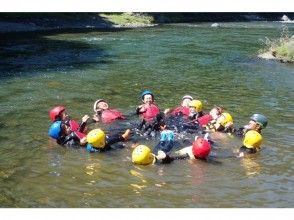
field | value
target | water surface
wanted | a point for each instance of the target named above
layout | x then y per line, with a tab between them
217	66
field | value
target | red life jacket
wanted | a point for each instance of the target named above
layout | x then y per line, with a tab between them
184	110
74	127
109	115
151	112
204	119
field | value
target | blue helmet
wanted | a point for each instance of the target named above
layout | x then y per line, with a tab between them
146	92
259	119
55	130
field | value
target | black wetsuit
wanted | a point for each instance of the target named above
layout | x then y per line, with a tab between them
110	140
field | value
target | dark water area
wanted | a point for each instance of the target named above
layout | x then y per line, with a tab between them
216	65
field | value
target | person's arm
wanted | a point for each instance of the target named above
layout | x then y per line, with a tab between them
185	151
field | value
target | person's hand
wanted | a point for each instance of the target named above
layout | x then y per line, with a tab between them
141	108
83	141
96	118
166	111
85	118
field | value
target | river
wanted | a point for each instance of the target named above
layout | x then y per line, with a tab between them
216	65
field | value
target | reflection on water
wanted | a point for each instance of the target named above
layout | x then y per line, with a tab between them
250	165
74	69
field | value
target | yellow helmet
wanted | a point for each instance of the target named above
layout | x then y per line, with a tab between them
252	139
197	105
142	155
96	137
224	119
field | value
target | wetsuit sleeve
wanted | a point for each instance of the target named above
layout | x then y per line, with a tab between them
248	150
165	146
169	159
112	139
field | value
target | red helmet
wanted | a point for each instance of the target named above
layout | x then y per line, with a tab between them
201	148
55	112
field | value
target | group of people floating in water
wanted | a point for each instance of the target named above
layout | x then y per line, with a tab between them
188	117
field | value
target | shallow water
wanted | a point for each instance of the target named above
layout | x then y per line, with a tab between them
217	66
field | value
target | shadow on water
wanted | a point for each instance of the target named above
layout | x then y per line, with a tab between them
30	53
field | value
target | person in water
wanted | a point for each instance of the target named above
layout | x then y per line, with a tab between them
182	110
214	113
195	109
224	123
65	130
200	149
167	139
69	133
98	141
104	113
148	110
252	134
149	113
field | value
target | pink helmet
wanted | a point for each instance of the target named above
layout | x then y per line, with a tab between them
55	112
201	148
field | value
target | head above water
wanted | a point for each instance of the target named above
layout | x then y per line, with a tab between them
58	113
260	119
201	148
147	97
96	137
216	111
142	155
186	100
196	105
99	105
225	119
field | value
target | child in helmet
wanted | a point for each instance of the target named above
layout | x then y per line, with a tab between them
224	123
252	134
104	113
195	109
149	113
98	141
197	119
142	155
182	110
200	149
214	113
68	133
148	110
166	139
59	113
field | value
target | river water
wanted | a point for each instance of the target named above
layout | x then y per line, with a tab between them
215	65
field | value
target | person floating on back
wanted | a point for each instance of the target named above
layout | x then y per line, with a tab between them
98	141
182	110
104	113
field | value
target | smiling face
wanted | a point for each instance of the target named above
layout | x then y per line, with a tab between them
186	102
64	116
148	99
252	125
102	105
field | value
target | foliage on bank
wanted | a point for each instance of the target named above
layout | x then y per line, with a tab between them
281	49
128	19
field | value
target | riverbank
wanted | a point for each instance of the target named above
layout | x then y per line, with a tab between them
28	22
282	50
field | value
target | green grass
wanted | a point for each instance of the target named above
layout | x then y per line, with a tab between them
282	48
285	50
128	18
